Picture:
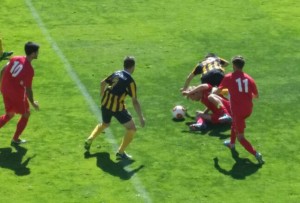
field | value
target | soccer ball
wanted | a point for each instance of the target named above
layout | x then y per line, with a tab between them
178	112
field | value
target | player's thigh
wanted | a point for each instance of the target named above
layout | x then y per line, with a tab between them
17	105
106	115
239	121
125	119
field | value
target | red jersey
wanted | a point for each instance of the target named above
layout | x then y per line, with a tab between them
17	77
241	88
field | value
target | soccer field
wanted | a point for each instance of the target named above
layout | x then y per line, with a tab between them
84	41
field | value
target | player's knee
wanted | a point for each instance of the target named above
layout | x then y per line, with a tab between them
10	115
131	128
240	137
211	97
103	125
26	115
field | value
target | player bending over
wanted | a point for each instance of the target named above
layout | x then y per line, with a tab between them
211	69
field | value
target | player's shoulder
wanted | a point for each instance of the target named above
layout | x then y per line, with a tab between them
246	75
228	75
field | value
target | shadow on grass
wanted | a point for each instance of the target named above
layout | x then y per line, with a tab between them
13	160
114	168
214	130
242	168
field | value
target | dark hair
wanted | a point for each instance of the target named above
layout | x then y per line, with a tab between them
238	61
129	62
210	55
31	47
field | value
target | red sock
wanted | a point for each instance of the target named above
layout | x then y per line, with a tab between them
248	146
20	127
232	136
222	110
200	120
4	119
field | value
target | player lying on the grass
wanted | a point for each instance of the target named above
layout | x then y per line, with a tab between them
211	69
4	55
217	104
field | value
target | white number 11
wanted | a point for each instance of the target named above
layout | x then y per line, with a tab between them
245	82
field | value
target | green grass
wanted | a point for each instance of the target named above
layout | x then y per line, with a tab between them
167	39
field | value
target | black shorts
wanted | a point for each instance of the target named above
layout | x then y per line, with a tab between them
213	77
121	116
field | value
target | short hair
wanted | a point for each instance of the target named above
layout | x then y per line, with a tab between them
238	61
211	55
129	62
31	47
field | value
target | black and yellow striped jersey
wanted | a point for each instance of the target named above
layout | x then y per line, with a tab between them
209	64
120	84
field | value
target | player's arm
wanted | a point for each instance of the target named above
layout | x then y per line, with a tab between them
137	108
1	73
136	103
188	81
217	91
223	62
103	85
254	89
255	94
198	89
29	94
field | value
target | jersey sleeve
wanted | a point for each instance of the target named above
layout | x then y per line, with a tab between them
28	77
108	80
132	89
254	87
198	69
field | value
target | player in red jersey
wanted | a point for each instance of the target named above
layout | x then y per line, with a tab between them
242	90
16	89
217	104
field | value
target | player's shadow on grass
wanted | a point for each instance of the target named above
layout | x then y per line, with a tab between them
214	130
242	168
114	168
13	160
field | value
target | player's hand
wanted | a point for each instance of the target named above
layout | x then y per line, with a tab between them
185	93
142	121
182	89
35	105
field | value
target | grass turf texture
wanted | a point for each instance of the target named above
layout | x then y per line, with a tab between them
167	38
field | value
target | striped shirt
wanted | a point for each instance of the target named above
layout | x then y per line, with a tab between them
209	64
120	84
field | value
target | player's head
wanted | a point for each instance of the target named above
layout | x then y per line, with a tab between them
238	62
129	62
31	49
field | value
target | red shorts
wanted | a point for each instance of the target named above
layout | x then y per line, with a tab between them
239	119
17	105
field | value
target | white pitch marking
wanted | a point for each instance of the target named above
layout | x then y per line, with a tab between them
92	105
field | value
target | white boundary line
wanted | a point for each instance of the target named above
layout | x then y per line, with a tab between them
93	106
